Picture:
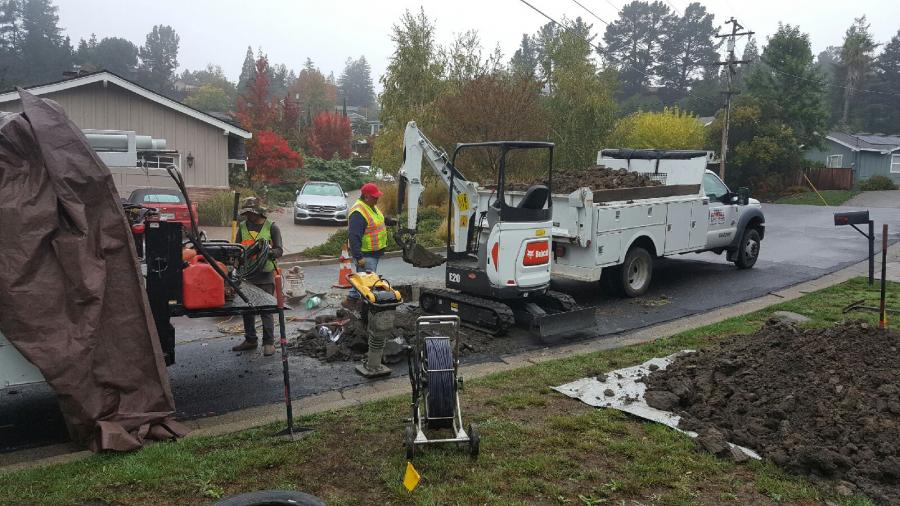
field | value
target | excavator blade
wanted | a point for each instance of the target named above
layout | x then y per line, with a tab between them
419	256
568	325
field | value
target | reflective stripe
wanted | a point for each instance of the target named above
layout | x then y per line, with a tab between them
375	236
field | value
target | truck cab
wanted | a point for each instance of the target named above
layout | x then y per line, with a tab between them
735	224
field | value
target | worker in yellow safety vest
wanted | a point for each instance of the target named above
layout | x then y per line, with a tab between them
257	227
367	235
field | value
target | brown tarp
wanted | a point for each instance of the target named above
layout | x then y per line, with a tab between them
71	299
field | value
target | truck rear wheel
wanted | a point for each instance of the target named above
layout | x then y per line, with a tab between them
636	272
748	249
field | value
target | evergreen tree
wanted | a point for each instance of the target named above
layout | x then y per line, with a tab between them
48	54
687	48
788	87
355	83
881	104
524	61
248	71
857	54
582	110
634	43
114	54
11	37
159	58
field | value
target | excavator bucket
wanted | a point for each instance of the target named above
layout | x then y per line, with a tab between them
418	256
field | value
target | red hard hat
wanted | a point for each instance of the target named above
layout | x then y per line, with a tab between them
370	190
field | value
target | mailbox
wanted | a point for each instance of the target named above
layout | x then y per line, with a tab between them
851	218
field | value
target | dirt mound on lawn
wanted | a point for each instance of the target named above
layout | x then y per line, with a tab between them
818	402
596	177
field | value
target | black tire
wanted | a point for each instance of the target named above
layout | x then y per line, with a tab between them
474	441
409	441
271	497
636	272
609	281
296	221
748	249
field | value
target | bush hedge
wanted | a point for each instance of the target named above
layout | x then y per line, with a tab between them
876	183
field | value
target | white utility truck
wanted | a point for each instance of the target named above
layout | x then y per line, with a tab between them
615	235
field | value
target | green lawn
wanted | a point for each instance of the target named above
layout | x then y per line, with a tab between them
538	447
809	198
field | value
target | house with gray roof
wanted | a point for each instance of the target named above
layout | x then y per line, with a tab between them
867	154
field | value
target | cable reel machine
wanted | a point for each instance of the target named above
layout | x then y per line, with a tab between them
434	376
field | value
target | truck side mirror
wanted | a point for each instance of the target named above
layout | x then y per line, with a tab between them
296	193
743	196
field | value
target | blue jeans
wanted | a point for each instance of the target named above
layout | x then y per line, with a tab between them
371	265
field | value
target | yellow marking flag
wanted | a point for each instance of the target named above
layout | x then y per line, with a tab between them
411	477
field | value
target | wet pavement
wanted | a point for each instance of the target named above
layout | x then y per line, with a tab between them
801	243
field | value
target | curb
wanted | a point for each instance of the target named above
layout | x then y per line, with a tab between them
380	389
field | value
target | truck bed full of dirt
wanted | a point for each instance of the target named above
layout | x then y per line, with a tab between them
595	177
823	403
598	177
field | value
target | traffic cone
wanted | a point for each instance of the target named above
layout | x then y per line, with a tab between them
346	269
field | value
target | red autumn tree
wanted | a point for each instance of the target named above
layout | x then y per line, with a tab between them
270	157
329	135
255	110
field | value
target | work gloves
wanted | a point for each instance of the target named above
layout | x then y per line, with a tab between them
361	263
389	221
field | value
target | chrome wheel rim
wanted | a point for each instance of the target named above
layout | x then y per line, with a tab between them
638	272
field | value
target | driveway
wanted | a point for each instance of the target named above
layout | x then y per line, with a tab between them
801	244
296	237
884	199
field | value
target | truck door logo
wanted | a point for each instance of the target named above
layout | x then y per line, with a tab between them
716	216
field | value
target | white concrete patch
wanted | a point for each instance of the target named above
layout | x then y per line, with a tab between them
627	388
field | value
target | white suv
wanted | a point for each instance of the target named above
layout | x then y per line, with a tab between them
320	200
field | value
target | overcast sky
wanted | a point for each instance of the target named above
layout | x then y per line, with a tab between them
219	31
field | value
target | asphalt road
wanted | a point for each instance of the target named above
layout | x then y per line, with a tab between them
801	243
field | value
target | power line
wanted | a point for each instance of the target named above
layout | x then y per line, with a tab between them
591	12
676	9
861	90
599	49
613	5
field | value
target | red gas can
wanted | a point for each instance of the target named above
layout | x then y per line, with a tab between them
202	287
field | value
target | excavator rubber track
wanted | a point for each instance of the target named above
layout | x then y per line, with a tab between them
485	315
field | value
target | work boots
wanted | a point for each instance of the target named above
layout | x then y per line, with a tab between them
247	345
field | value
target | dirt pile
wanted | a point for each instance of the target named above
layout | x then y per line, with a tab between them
598	177
819	402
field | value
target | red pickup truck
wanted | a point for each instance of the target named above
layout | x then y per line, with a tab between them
169	201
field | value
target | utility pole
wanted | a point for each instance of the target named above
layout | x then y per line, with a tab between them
731	71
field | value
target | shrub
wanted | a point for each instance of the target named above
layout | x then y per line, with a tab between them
216	210
281	194
335	171
432	232
876	183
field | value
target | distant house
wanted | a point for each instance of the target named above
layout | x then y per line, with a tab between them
867	154
105	101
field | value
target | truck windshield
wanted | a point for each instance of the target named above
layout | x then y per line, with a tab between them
713	186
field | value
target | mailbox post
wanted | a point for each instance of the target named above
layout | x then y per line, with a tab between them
854	218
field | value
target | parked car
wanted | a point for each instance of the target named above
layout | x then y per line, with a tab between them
169	201
320	200
375	173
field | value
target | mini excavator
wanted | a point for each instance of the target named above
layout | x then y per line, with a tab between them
498	255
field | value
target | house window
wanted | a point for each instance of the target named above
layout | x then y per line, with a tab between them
835	161
895	164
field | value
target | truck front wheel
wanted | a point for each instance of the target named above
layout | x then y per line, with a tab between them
748	249
636	272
